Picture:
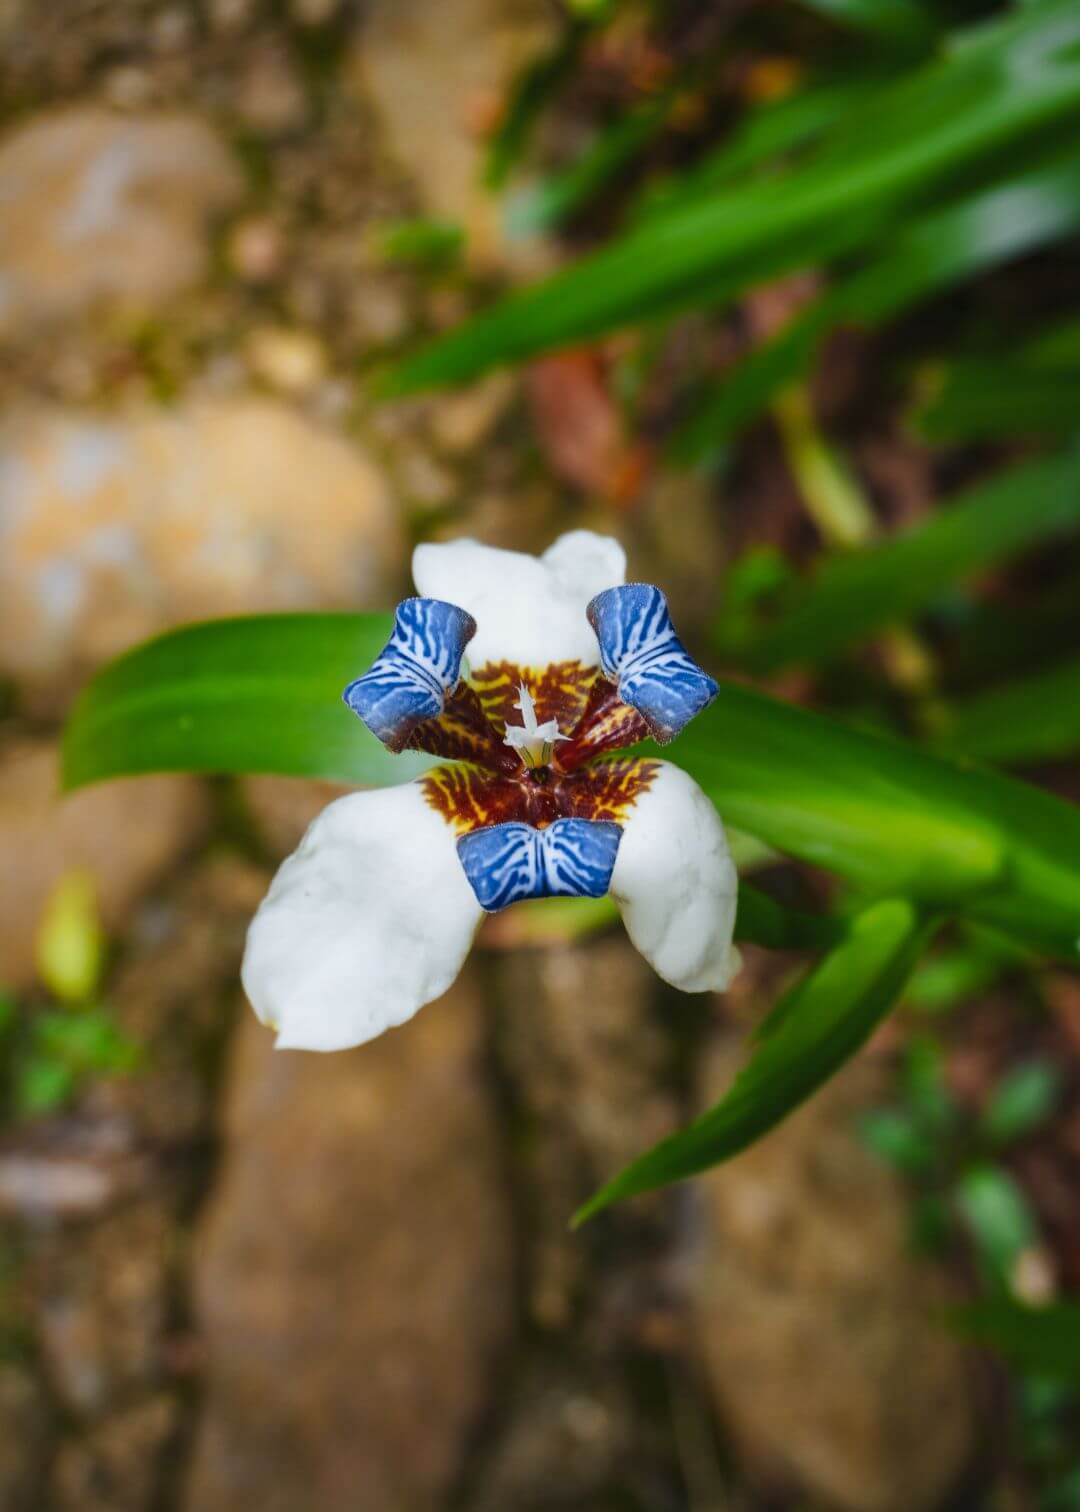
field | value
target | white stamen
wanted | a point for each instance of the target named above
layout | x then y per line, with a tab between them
534	742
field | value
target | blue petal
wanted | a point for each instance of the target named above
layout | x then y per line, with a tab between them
640	651
410	678
572	858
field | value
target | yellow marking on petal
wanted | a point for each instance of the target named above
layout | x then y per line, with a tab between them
559	692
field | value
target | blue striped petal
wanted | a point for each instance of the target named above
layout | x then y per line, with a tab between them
410	678
572	858
640	651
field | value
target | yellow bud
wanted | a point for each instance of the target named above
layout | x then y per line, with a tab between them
70	942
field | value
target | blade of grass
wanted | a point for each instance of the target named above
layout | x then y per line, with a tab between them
1043	1341
892	818
982	400
924	258
816	1028
900	23
554	199
954	119
536	85
1036	718
259	694
850	596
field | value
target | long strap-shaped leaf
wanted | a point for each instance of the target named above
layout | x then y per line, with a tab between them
1044	1341
253	694
264	695
891	817
1034	718
810	1034
851	595
993	225
997	89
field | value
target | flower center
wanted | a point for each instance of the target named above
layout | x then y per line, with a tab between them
533	742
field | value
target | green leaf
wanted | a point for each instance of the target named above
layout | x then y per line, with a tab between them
1056	346
768	132
900	22
761	921
998	1217
980	400
926	1087
1025	1099
1035	718
822	1022
41	1084
852	595
426	242
922	258
1042	1340
890	817
538	82
546	204
897	1138
955	975
243	695
84	1041
956	119
264	695
1062	1495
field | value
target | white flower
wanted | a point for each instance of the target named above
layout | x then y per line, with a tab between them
374	914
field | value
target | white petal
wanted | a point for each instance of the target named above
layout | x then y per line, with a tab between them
369	919
676	885
528	610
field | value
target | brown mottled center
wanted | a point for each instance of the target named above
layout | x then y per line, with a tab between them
492	783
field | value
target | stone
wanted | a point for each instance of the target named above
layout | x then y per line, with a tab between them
352	1276
55	1170
126	835
438	76
587	1060
255	249
808	1290
291	361
227	16
116	1466
112	529
23	1443
95	206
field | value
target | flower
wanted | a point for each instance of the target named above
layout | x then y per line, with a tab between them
374	913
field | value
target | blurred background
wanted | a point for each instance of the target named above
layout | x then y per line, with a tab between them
843	444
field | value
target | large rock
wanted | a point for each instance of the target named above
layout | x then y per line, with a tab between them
819	1327
99	206
112	529
438	76
588	1061
587	1066
352	1278
125	834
